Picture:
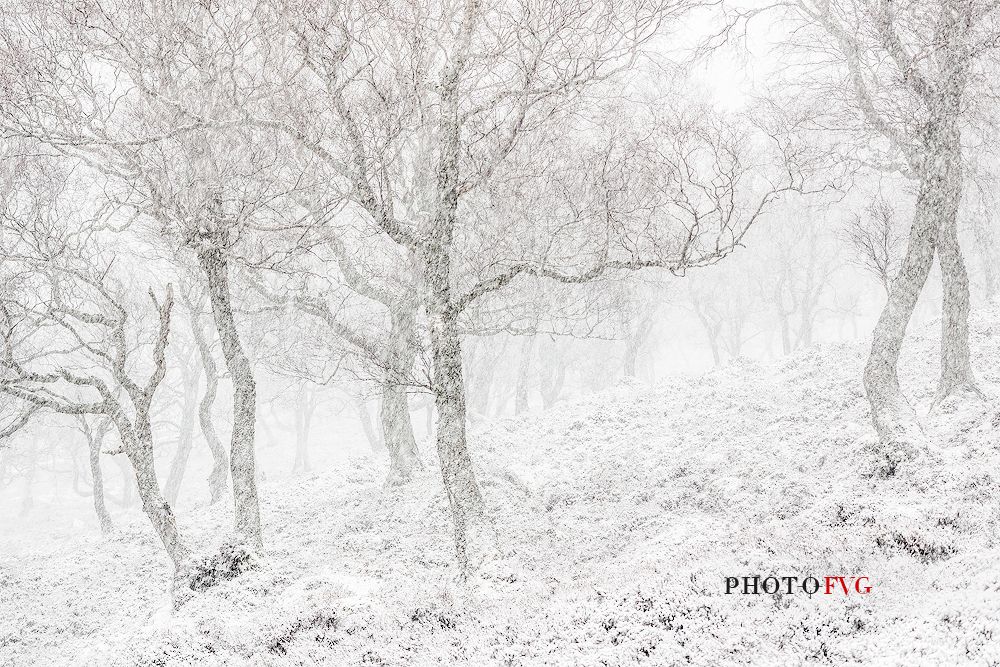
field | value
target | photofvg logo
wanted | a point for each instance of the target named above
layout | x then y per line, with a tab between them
830	585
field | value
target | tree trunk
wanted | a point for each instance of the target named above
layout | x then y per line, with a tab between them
459	478
523	376
937	200
397	430
94	443
139	448
397	427
982	226
956	368
371	435
303	419
464	498
182	454
220	468
241	455
634	344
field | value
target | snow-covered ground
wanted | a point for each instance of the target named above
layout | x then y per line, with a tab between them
617	517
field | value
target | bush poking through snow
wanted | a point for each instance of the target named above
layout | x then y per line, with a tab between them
231	561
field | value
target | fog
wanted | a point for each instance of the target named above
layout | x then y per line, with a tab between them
495	332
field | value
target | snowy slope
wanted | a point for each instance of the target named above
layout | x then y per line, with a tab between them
617	519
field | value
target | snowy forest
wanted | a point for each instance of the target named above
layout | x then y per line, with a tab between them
499	332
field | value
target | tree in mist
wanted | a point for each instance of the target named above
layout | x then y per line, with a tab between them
797	274
876	241
95	436
904	71
193	303
150	96
73	343
723	300
366	302
471	136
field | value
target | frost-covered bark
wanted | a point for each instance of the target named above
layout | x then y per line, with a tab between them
220	468
956	367
937	203
95	439
126	403
97	479
155	506
464	497
397	427
929	50
241	453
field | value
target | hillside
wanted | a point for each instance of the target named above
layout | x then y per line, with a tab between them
618	518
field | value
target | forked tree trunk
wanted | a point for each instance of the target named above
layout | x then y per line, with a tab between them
937	204
464	498
241	453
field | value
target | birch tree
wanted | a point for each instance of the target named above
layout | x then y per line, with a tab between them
71	344
150	95
904	74
422	114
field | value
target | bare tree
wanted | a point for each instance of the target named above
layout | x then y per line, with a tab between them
421	115
67	350
904	73
876	241
190	370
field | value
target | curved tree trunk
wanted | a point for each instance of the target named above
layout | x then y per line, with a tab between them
241	456
100	508
220	469
138	439
155	506
956	368
937	205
